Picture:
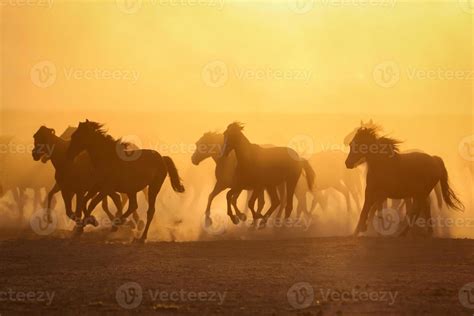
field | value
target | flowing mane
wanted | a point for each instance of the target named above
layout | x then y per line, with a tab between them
109	141
374	133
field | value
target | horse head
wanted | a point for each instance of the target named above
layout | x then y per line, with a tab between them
83	137
43	142
367	144
232	136
209	145
350	136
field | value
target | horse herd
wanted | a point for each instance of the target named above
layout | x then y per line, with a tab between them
92	166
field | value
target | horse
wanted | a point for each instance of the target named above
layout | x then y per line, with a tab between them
73	178
18	174
261	168
120	170
209	145
396	175
329	166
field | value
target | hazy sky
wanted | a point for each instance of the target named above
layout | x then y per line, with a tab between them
372	56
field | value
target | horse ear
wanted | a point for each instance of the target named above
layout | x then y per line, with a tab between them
53	131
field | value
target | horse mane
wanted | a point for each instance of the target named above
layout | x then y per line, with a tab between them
374	132
100	131
235	127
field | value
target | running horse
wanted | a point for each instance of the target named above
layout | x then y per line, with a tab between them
120	170
261	169
396	175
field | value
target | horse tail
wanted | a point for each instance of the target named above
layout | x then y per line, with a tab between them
174	176
448	194
310	175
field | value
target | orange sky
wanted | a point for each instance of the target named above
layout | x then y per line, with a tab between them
161	55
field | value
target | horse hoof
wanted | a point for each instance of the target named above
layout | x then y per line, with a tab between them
263	224
114	229
234	219
140	225
138	241
92	221
208	221
242	217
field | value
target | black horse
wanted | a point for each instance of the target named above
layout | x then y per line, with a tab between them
396	175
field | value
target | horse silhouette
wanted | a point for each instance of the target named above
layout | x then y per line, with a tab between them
332	174
210	146
396	175
18	173
261	168
120	170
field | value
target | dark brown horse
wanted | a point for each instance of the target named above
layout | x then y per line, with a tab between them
121	170
263	169
396	175
73	178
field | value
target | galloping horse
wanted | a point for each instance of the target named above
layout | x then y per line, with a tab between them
121	170
396	175
263	168
210	145
72	177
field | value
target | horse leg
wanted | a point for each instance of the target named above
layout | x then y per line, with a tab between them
239	214
282	195
229	195
132	208
290	191
105	207
274	204
67	198
369	202
251	204
18	194
260	204
49	199
218	188
344	191
153	190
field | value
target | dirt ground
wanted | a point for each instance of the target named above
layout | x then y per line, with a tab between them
314	276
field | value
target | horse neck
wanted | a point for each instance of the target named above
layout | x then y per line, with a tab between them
243	150
100	150
217	144
58	155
